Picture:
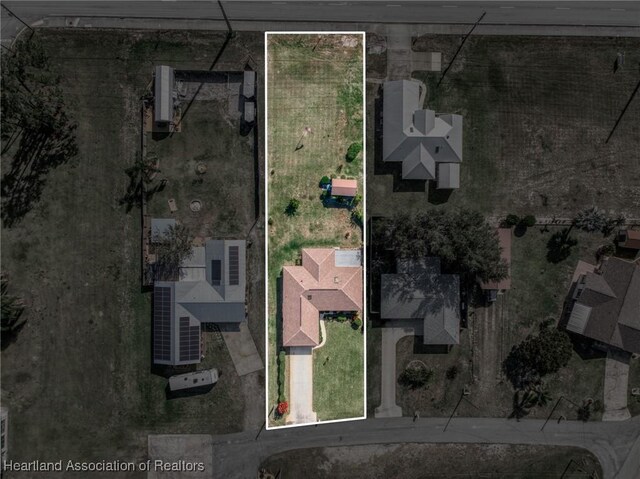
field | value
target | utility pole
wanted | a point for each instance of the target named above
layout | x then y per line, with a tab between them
16	16
460	47
622	113
554	408
230	33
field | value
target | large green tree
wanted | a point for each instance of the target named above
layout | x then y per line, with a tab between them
537	356
175	247
462	239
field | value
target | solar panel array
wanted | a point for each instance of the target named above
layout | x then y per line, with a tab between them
234	266
189	341
162	323
216	272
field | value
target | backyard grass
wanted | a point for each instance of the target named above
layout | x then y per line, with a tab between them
78	379
436	461
338	373
314	113
537	112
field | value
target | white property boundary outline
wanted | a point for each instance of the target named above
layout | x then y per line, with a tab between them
266	230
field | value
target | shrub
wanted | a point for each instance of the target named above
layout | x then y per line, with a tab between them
283	408
282	356
511	220
292	207
356	200
341	318
528	221
415	377
356	323
353	151
356	217
325	180
452	372
270	221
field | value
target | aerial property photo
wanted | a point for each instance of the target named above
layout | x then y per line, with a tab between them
315	232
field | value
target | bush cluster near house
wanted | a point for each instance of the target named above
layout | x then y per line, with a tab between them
414	377
282	357
462	239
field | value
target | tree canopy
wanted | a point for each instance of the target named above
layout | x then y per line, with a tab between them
176	246
537	356
462	239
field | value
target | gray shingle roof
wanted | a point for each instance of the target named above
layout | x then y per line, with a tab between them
420	291
418	138
195	296
613	296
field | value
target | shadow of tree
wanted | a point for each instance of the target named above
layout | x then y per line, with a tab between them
559	246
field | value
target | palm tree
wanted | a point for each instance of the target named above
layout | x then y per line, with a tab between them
590	220
538	395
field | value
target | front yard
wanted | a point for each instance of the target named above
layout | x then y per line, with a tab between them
338	373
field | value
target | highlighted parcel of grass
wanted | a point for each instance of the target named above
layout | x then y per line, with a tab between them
314	135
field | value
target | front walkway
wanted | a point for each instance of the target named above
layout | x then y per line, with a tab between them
301	386
616	381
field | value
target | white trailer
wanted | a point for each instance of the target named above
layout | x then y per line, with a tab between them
196	379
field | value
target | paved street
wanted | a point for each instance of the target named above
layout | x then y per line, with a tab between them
615	444
547	18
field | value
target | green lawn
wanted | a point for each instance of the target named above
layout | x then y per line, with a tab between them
314	113
634	382
338	373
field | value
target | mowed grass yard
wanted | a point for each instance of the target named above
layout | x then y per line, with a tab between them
537	112
319	89
78	379
338	372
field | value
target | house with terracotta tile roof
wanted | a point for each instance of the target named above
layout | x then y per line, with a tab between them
329	280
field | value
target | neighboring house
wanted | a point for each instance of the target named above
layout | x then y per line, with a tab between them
210	289
629	239
419	290
341	187
605	303
428	144
328	281
492	288
163	95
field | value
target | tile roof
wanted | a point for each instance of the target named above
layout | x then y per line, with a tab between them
340	187
318	285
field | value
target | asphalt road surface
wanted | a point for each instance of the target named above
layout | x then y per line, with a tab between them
625	13
615	444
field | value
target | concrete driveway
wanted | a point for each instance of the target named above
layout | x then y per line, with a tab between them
391	334
616	381
301	386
